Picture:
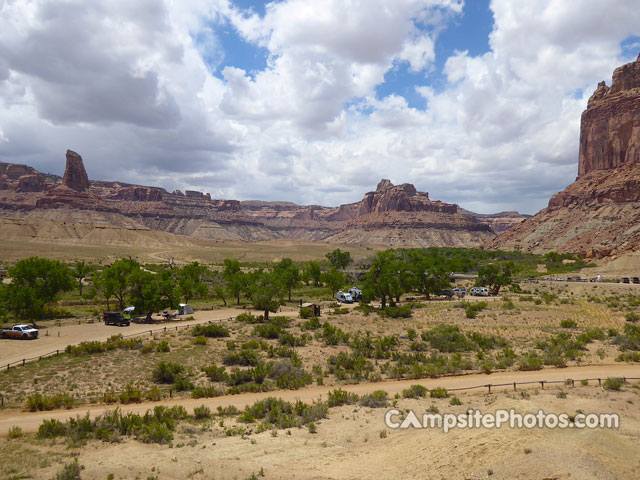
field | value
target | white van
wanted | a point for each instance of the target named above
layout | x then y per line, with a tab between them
479	292
356	294
344	297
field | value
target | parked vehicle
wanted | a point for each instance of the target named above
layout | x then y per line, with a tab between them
23	332
115	318
625	280
446	293
479	292
635	280
343	297
459	292
356	294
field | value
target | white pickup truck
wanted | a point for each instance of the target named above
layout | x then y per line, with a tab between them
23	332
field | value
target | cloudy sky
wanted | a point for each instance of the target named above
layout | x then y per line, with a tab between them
477	102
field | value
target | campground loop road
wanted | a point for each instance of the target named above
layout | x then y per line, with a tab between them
29	422
59	337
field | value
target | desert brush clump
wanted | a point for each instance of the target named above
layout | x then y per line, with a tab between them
339	397
414	391
210	331
277	413
155	426
39	402
377	399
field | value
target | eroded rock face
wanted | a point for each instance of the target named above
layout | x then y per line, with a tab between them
598	215
75	176
610	126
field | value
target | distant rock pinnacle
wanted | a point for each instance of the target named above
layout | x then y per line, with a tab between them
75	176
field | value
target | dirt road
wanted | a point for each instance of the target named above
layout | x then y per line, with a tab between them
57	338
29	422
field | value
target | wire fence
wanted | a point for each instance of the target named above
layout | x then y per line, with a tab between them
166	328
112	397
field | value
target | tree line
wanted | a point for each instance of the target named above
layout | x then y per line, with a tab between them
36	283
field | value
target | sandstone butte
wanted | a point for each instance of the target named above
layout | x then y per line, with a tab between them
39	207
599	214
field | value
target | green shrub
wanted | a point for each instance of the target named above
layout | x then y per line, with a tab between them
166	372
215	373
211	331
70	471
312	324
439	392
249	318
201	412
131	394
306	312
200	340
632	317
14	432
414	391
333	335
243	357
206	392
268	330
339	397
154	394
613	383
455	401
38	402
531	361
182	384
163	346
568	323
377	399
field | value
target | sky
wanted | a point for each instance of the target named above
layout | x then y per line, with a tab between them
477	102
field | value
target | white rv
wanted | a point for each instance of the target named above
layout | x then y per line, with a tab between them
479	292
343	297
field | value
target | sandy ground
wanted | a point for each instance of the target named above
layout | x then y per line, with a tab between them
354	443
59	337
30	422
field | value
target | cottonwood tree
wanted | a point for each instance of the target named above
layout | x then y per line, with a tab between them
288	273
339	259
333	279
236	280
495	276
381	280
312	273
35	282
80	271
191	281
266	292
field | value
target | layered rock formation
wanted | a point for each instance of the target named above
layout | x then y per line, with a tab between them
389	216
598	215
75	176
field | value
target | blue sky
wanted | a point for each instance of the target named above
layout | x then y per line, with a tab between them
477	102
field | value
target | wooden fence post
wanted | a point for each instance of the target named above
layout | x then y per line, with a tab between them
542	383
599	382
514	386
489	386
24	361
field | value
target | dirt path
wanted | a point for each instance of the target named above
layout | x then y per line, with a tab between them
29	422
59	337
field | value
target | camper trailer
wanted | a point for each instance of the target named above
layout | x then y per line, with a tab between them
343	297
184	309
356	294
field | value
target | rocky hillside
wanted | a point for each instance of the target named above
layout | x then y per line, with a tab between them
599	214
72	207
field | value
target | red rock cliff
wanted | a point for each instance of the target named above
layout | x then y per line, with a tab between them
610	126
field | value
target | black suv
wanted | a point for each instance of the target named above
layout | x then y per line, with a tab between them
115	318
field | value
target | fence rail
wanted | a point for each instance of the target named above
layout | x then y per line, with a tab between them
56	353
489	386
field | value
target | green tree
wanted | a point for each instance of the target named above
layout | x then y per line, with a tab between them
288	273
312	273
266	292
80	271
430	271
150	292
381	280
114	280
333	279
339	259
495	276
191	283
35	282
236	280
